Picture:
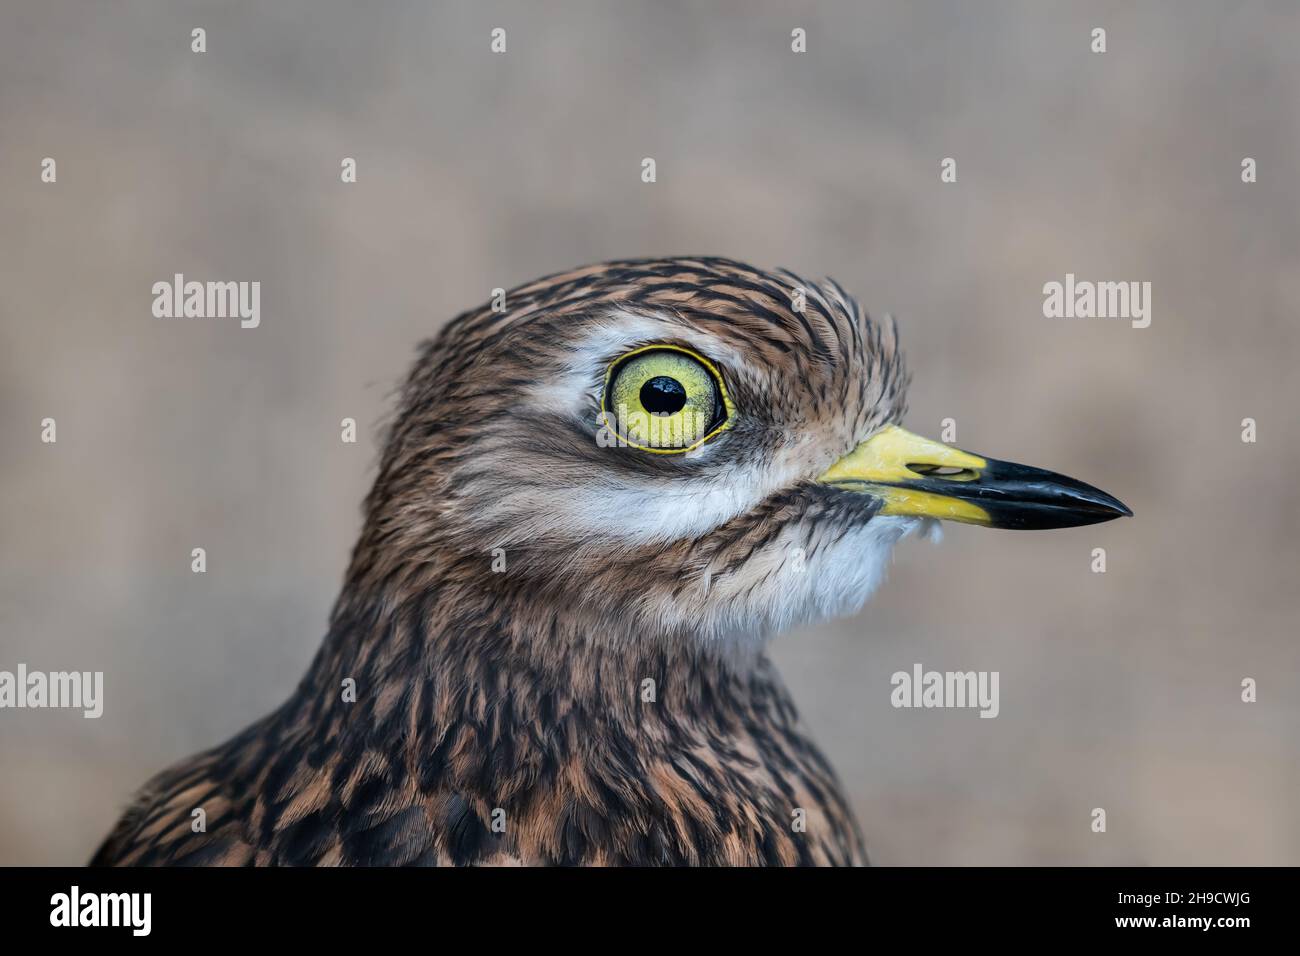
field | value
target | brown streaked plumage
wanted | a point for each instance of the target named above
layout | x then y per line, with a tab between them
520	695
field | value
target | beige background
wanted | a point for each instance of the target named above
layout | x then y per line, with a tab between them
1118	690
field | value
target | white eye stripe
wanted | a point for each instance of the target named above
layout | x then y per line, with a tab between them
621	332
639	510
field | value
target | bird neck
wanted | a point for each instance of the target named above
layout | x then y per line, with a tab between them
430	660
462	709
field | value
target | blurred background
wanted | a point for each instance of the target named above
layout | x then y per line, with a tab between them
1118	690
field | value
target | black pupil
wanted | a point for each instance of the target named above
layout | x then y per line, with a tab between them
663	395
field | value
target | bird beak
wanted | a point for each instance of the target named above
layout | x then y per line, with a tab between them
912	475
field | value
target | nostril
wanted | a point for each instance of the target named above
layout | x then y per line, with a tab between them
950	472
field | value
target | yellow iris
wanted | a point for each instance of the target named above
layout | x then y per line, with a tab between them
665	399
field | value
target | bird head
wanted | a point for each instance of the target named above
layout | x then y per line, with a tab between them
686	448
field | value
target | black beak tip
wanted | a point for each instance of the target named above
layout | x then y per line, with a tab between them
1032	499
1095	509
1107	507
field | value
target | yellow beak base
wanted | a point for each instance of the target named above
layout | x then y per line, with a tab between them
911	475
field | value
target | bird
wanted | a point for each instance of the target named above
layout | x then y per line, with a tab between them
599	500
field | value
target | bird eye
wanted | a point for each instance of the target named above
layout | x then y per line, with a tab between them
664	399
